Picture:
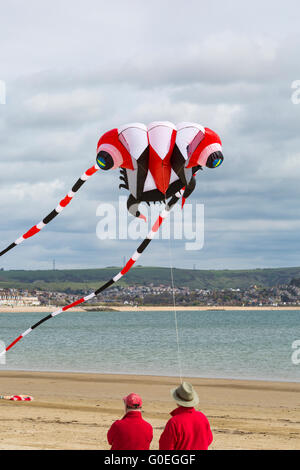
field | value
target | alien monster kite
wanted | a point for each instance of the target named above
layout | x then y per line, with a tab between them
157	162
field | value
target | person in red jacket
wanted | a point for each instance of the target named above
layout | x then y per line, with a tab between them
188	429
131	432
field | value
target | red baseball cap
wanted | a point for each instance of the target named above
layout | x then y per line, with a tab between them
133	401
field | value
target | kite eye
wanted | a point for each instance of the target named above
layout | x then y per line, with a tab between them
215	159
104	160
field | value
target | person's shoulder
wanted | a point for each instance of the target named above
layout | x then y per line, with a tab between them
173	420
117	423
146	423
201	415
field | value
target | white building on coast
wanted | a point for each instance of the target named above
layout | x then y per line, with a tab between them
18	301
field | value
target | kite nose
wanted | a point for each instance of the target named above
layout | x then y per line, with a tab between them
215	159
104	160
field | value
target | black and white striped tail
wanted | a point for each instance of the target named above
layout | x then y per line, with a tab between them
163	215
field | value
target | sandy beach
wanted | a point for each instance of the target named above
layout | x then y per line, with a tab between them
74	411
129	308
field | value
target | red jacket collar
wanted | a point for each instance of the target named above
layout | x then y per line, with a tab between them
182	409
133	414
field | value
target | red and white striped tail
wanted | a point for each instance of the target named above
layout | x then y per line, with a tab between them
163	215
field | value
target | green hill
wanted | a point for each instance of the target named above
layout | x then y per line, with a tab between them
77	279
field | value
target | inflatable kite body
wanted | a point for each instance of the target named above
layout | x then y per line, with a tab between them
156	161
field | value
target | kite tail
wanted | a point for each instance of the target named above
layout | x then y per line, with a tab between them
63	203
163	215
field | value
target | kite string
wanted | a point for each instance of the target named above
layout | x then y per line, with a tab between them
174	299
175	310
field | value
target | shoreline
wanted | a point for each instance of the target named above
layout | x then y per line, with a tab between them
141	375
49	309
257	384
75	410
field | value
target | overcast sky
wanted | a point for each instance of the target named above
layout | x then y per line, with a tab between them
74	70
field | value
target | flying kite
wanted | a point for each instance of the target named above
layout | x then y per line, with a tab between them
157	162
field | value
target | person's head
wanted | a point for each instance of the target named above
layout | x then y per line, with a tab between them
185	395
133	402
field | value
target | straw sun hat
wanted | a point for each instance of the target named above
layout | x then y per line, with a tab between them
185	395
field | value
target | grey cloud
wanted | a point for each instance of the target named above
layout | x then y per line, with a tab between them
98	71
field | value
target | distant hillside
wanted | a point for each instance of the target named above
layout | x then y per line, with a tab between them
77	279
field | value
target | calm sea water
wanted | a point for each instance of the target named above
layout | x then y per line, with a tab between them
225	344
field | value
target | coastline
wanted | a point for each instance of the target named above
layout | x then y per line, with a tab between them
49	309
74	410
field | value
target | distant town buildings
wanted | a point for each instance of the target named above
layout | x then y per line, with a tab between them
161	294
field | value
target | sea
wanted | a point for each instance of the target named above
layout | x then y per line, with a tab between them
261	345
